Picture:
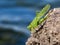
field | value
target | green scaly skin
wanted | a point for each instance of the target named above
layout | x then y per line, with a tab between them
39	18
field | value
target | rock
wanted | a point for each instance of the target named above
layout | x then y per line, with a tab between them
50	34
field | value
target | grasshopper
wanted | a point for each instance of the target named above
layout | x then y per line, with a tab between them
39	19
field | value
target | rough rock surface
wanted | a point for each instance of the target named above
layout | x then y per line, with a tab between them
50	34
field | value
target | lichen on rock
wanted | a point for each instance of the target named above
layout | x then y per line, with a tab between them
50	33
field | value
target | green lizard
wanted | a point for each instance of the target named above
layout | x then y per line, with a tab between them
39	18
